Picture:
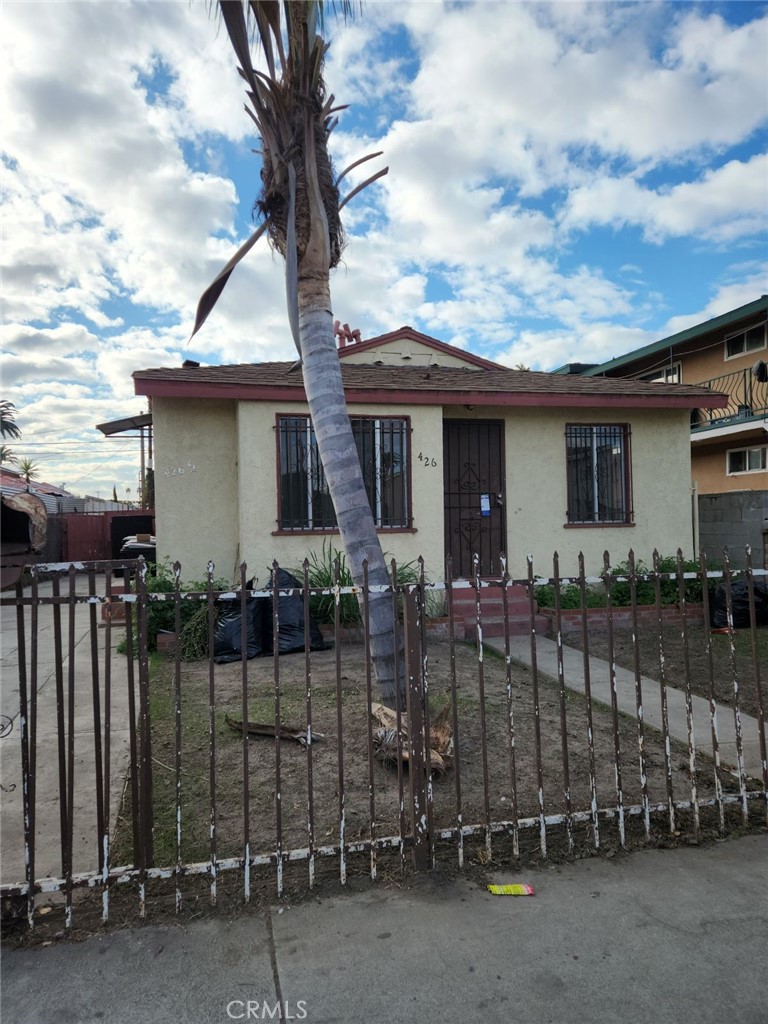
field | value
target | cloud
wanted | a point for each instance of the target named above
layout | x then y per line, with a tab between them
723	205
517	135
542	82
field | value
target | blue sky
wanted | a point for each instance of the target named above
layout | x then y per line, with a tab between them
567	182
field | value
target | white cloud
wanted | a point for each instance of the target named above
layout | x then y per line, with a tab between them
723	205
512	131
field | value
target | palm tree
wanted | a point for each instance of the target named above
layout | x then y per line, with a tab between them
7	456
8	425
300	206
29	470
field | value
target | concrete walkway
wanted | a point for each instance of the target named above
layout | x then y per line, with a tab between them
674	937
599	672
48	829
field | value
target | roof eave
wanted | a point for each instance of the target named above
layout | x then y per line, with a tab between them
383	396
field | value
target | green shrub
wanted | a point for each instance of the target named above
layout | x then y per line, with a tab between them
321	574
620	591
569	596
193	638
646	591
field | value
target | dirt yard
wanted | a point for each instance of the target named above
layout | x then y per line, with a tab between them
698	660
350	683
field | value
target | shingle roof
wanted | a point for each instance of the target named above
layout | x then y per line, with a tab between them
421	384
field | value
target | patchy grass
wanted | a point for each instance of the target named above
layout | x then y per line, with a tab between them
353	752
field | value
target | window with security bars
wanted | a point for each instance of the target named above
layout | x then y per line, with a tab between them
598	474
305	500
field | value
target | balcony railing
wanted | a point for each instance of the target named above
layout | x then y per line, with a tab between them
747	399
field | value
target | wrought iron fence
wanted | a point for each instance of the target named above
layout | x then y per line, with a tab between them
502	744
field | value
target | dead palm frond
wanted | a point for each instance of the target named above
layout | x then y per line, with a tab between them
299	200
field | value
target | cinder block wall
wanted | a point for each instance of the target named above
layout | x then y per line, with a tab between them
734	520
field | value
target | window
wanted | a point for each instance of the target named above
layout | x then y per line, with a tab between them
753	339
305	501
597	459
672	374
747	460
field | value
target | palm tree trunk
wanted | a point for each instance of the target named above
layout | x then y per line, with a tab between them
341	464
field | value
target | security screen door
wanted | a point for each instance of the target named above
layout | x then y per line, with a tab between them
473	457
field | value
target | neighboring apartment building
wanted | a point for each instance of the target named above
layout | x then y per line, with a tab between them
729	446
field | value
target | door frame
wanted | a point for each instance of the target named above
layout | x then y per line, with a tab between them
502	507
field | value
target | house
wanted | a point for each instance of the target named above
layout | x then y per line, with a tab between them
461	456
729	445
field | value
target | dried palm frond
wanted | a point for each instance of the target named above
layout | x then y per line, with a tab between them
387	747
299	200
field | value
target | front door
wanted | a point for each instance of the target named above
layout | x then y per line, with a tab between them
473	457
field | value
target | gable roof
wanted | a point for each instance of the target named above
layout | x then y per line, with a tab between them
423	385
691	334
407	333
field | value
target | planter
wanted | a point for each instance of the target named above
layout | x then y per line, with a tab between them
597	618
115	611
166	643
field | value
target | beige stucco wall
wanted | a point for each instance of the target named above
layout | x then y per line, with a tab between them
537	492
257	496
226	508
196	484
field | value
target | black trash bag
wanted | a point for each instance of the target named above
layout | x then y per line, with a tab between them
228	636
290	612
718	607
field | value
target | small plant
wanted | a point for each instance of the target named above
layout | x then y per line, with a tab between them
322	575
621	596
646	590
570	596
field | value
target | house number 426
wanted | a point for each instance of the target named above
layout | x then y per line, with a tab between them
426	459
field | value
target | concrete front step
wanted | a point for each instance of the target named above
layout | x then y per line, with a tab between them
490	609
466	597
493	626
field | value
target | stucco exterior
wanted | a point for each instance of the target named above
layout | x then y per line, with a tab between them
196	485
536	494
223	506
710	468
260	540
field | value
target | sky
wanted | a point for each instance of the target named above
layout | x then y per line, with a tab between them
566	182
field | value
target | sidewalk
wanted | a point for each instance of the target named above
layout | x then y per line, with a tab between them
673	937
48	828
599	673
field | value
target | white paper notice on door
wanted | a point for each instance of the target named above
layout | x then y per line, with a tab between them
485	504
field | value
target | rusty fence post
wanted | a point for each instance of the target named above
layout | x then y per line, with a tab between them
146	817
417	761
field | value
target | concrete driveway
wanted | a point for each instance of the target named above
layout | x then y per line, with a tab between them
48	830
